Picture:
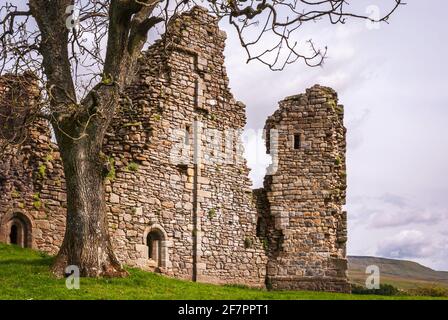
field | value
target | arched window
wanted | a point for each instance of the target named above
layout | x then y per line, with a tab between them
156	244
154	241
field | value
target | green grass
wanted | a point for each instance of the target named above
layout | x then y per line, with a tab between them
24	274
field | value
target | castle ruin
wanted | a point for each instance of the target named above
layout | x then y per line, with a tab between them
179	197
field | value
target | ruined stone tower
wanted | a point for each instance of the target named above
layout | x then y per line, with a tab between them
178	193
304	192
32	192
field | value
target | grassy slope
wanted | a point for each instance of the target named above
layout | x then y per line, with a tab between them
400	273
24	274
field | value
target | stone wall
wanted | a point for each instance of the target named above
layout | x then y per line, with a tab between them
178	161
304	193
178	193
32	194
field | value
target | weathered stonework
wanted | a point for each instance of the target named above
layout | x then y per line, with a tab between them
32	195
178	192
304	192
201	209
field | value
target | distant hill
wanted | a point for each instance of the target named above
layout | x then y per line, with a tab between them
401	273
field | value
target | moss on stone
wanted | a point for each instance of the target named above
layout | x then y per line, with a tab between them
41	171
111	175
212	213
248	243
132	166
37	204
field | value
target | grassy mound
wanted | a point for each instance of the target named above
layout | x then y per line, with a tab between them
24	274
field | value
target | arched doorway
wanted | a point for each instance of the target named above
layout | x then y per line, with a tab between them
16	228
19	232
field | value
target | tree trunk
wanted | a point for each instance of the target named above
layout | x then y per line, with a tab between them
80	125
86	243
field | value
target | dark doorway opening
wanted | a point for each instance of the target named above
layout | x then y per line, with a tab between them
19	230
13	235
154	243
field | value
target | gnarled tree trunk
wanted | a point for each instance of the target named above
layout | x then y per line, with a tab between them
80	126
86	243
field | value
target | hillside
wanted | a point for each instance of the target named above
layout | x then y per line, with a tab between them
401	273
24	274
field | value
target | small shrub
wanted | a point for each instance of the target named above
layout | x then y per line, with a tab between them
431	291
384	290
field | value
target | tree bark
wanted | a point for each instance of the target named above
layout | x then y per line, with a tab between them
80	127
87	242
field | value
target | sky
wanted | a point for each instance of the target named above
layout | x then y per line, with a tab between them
393	83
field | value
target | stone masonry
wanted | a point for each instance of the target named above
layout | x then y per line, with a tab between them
303	193
178	192
32	195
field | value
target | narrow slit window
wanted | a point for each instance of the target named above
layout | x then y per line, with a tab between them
187	135
297	142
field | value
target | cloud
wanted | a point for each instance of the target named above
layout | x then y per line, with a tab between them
403	218
407	244
390	210
394	199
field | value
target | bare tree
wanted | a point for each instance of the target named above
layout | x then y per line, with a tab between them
84	53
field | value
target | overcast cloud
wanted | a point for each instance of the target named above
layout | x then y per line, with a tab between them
393	83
